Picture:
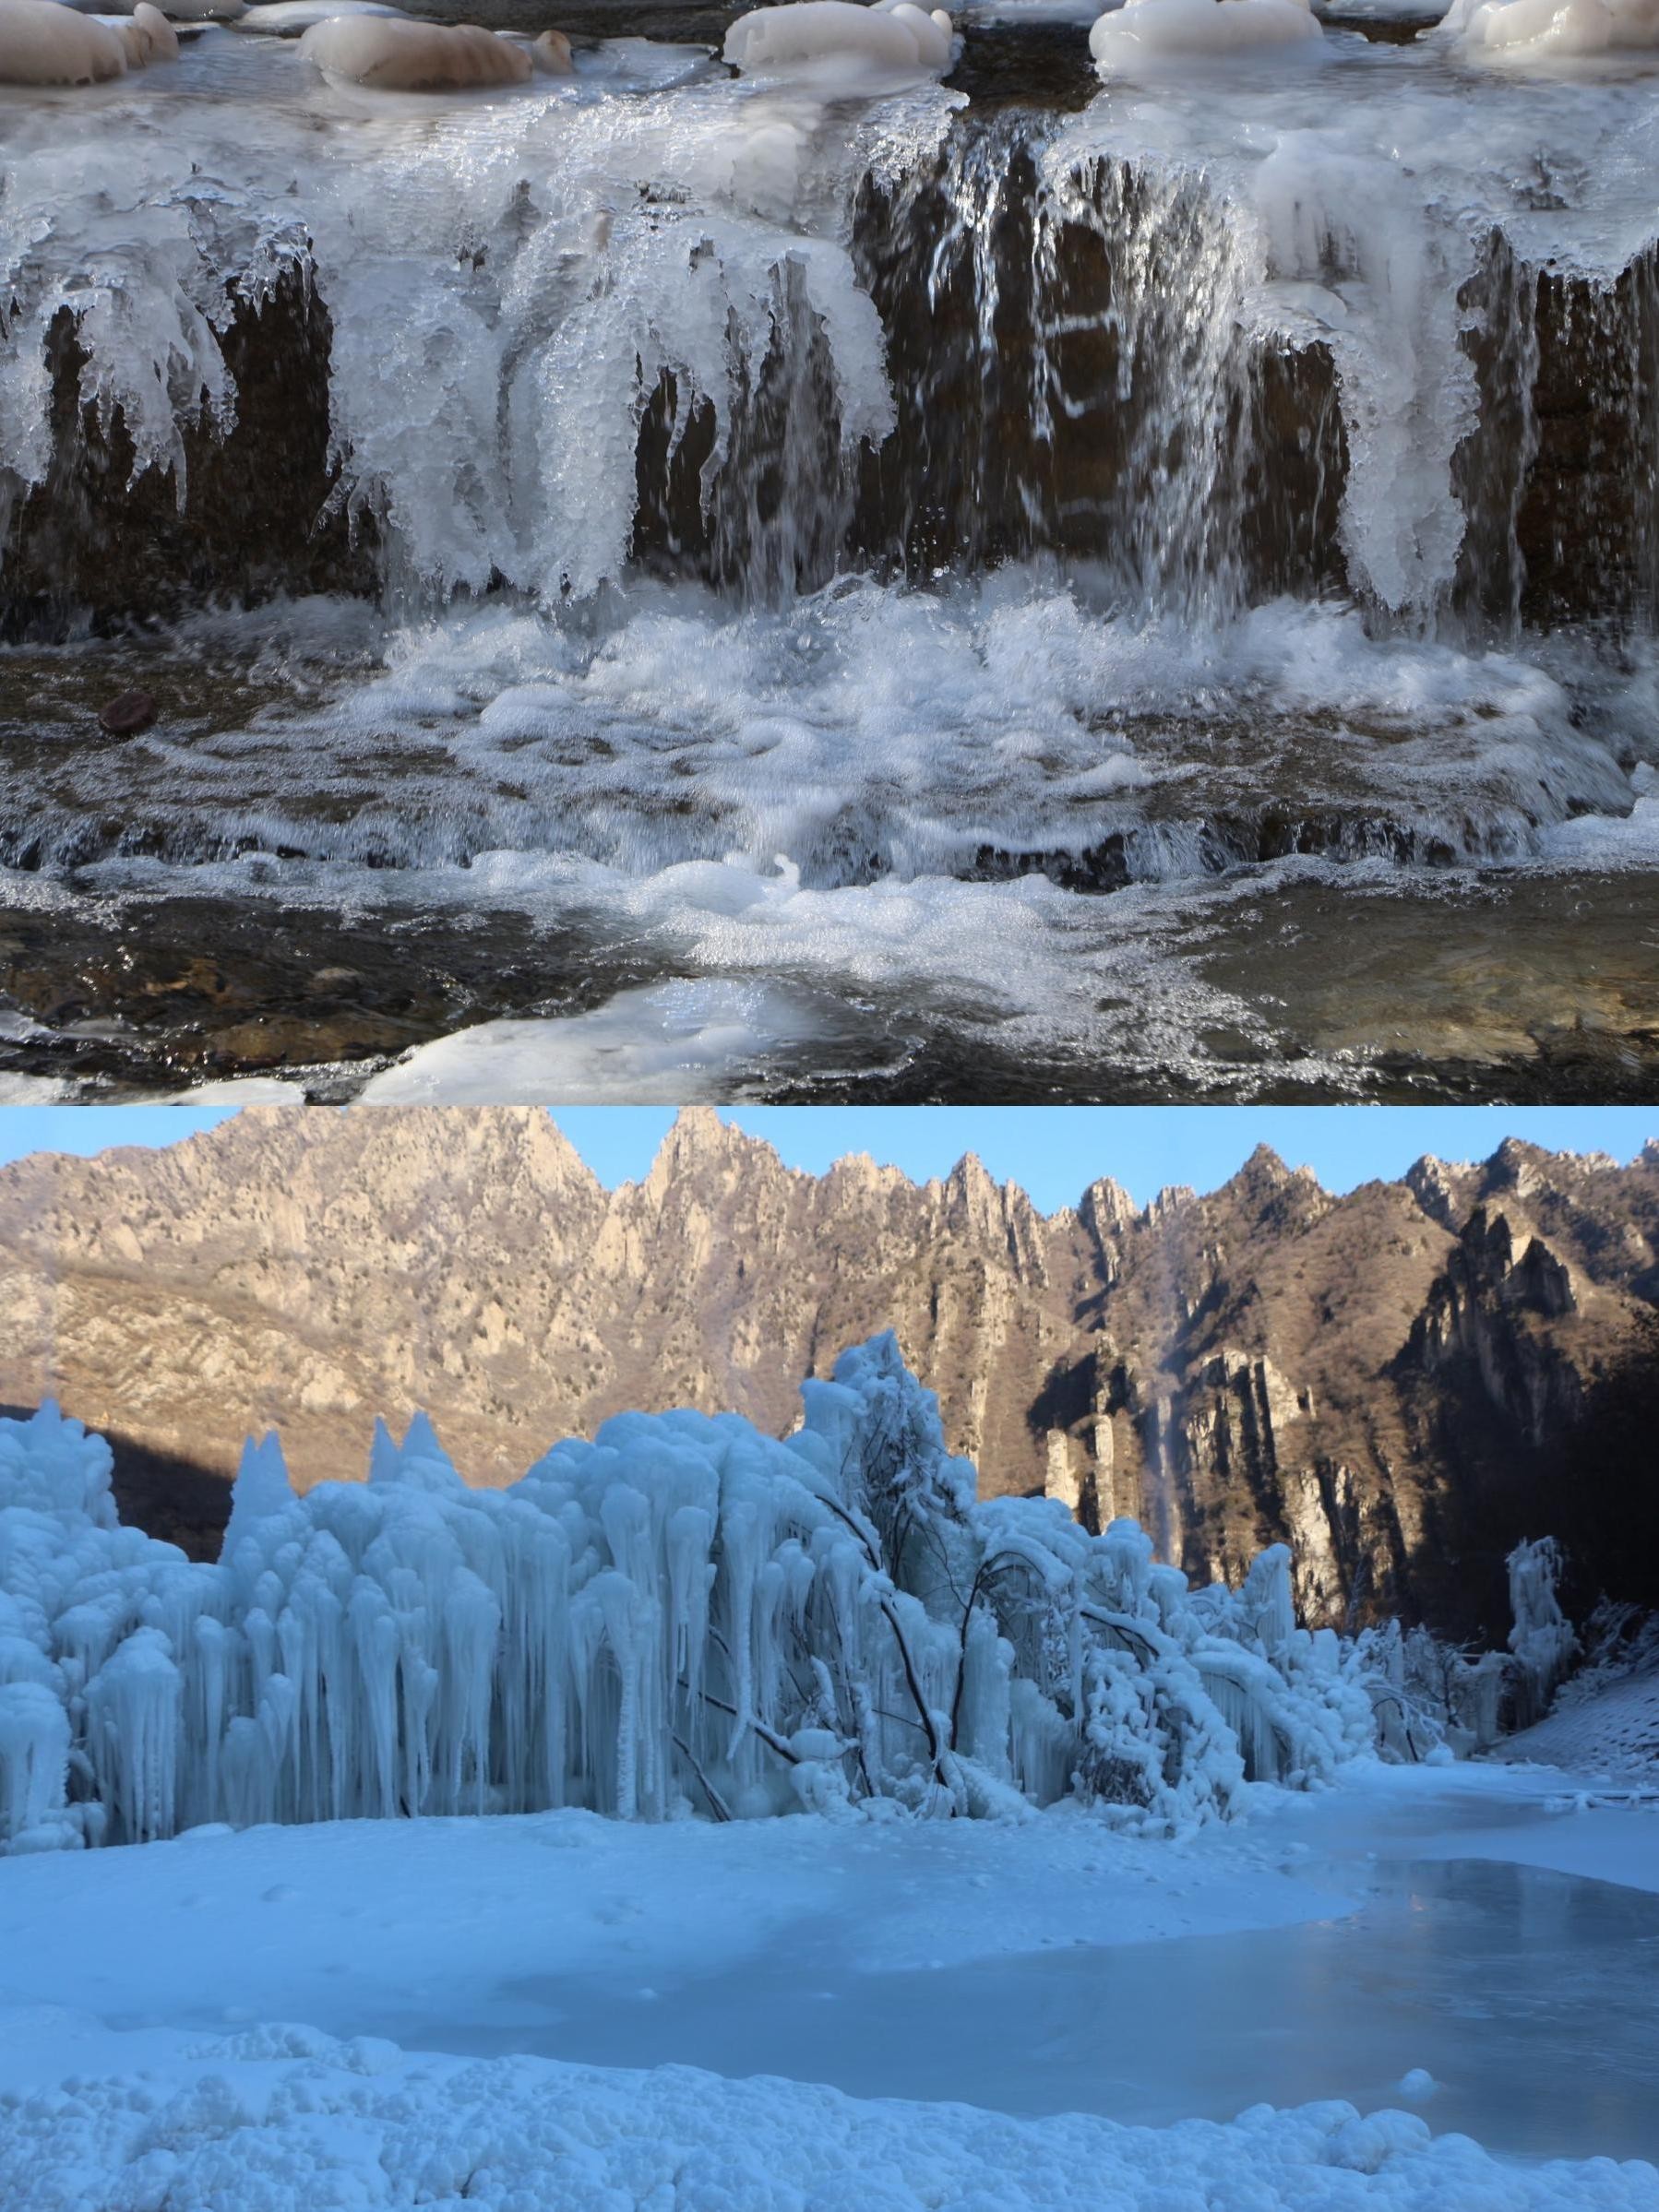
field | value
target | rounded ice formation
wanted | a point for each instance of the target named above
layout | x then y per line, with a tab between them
393	55
893	34
551	54
1524	30
148	37
43	44
1154	30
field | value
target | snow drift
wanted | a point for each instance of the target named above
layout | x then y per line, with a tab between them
282	2118
684	1614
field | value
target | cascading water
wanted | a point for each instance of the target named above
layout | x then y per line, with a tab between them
771	561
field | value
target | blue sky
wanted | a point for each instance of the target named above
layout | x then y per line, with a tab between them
1055	1151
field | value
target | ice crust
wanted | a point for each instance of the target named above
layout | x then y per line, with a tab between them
683	1615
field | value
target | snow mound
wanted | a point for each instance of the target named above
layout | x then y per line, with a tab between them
1545	30
684	1614
393	55
1147	34
284	2119
892	37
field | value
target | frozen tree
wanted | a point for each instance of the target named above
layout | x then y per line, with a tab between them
684	1614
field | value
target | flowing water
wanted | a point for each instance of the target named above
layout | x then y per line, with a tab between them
1011	588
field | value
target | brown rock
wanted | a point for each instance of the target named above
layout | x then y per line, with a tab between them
127	715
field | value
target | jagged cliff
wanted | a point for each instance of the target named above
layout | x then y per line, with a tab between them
1355	1373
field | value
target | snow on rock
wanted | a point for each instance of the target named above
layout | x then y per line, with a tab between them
819	35
684	1614
1545	30
1144	33
394	54
283	2118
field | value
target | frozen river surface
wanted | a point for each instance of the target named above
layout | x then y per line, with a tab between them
1325	1948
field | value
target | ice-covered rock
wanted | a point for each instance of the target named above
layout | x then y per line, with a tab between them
550	53
393	55
824	36
1144	33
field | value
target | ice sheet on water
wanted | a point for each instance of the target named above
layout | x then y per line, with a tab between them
665	1043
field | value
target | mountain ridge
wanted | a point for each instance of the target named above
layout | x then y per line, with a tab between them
1265	1359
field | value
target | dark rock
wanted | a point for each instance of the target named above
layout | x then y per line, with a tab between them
133	711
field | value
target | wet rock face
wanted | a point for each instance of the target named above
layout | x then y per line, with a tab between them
1559	480
201	989
256	518
1267	1362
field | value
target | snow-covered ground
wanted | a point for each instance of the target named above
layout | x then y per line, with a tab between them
454	1979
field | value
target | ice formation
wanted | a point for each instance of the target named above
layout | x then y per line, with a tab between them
45	43
890	35
684	1613
1541	1639
395	55
1527	30
1143	31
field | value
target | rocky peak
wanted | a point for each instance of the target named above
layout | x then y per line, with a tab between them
1266	1363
